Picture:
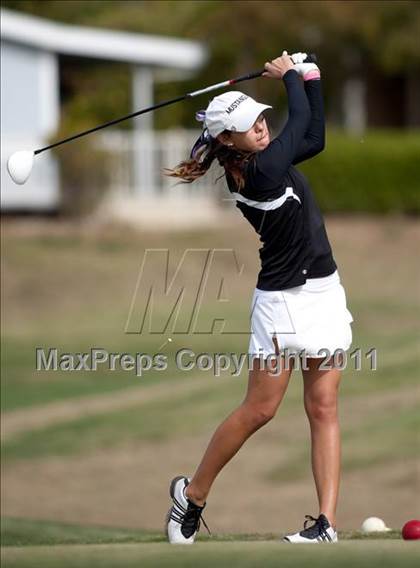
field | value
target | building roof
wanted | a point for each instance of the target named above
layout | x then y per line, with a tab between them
101	44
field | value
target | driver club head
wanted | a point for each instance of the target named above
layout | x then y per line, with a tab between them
19	165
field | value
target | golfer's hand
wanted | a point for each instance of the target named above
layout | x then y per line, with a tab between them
278	67
305	70
298	57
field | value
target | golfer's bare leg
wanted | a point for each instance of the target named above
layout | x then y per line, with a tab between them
265	393
320	398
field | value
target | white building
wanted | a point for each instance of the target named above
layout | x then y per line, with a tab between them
30	90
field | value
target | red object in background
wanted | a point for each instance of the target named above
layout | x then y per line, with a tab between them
411	530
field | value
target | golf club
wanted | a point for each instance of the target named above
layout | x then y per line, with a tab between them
20	163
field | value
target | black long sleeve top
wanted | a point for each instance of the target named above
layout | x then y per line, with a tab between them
277	199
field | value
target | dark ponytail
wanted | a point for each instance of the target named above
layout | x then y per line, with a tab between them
205	150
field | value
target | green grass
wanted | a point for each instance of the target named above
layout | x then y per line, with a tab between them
208	555
78	283
40	543
26	532
22	386
155	421
73	291
205	408
372	442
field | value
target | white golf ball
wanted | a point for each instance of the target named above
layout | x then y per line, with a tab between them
19	166
374	524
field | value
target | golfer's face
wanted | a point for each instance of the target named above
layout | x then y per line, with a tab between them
255	139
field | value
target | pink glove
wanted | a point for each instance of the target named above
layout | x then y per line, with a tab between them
308	71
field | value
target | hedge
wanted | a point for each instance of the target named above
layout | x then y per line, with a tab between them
377	172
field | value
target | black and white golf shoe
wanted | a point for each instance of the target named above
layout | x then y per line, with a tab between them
320	531
183	518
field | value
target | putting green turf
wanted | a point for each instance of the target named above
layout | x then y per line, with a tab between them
384	553
28	543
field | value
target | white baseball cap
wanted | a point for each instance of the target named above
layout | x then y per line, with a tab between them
232	111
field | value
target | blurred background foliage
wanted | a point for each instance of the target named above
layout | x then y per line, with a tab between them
375	41
374	173
348	36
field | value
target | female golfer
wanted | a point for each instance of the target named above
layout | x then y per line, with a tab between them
299	305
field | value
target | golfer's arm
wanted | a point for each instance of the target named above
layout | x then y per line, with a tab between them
314	140
271	164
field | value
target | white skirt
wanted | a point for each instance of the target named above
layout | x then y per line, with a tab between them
312	318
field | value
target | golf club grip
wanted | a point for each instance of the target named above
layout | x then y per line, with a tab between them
311	58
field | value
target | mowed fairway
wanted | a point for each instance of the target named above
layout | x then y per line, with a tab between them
99	449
